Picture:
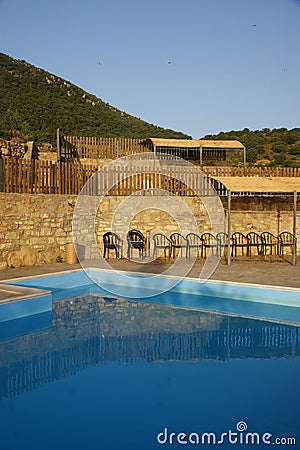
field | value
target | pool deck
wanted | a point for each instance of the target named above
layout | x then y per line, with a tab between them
249	272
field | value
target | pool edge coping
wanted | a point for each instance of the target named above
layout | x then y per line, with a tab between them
25	293
149	274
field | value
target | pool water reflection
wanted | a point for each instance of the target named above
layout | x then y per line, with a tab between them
113	373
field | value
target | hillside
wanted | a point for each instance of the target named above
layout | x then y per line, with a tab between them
277	147
35	103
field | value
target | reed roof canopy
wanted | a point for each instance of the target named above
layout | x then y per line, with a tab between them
280	185
184	146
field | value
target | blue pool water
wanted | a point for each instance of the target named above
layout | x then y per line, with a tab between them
253	301
106	373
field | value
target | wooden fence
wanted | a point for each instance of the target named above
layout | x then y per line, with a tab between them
43	177
47	177
73	147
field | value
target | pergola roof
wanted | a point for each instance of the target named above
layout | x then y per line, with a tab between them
261	184
196	143
221	144
179	143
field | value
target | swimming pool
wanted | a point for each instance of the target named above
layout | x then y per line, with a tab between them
275	303
119	373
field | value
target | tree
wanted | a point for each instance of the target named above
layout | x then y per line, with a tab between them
14	125
260	149
251	155
280	159
295	150
279	147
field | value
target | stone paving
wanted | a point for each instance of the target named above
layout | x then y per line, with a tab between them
257	272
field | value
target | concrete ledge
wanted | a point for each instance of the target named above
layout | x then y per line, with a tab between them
18	301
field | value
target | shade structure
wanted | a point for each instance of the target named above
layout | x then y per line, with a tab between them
200	148
263	185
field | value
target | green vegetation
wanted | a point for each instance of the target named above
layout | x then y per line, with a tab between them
277	147
34	103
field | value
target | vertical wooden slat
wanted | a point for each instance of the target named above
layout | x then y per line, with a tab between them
36	177
62	178
39	177
10	175
1	175
20	177
5	175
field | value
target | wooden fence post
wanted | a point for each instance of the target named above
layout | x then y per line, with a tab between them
295	230
58	145
52	179
228	227
1	174
32	175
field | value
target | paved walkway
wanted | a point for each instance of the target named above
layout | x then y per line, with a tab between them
267	273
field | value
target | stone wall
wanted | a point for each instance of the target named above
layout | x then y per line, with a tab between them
35	228
13	147
164	213
274	214
19	148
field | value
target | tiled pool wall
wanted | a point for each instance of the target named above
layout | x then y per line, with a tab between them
228	290
25	316
14	309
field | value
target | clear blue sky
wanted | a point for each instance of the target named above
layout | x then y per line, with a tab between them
198	66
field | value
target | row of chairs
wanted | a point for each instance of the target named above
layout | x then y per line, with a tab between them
263	243
246	244
135	240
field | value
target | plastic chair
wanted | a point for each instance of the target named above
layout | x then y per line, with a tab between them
112	241
161	241
222	239
254	241
135	241
270	241
209	241
239	241
194	241
179	242
287	239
